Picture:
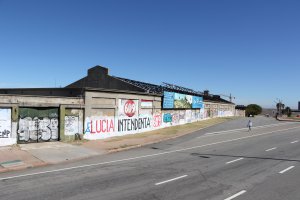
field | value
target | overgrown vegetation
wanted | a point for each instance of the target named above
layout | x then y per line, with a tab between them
253	109
287	111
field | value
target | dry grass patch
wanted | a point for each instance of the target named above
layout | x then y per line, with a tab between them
173	130
136	140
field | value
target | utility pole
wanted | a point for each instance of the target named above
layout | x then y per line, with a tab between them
279	106
230	96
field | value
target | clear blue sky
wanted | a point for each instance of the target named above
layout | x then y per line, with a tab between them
250	48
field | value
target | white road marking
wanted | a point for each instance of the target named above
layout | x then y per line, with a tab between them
236	130
235	160
173	179
294	141
271	149
145	156
236	195
287	169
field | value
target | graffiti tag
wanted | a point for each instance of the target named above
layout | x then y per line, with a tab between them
167	117
129	108
100	126
133	124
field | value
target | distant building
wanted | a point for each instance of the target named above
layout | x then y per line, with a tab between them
298	105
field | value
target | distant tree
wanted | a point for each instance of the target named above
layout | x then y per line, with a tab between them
287	111
253	109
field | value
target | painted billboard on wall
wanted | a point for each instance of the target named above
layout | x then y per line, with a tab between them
129	119
182	101
128	108
197	102
173	100
168	100
146	103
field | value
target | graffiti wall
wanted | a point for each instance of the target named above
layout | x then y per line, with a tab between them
225	113
134	116
129	120
71	125
177	117
38	125
73	122
98	127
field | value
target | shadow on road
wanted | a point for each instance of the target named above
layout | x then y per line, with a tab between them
241	156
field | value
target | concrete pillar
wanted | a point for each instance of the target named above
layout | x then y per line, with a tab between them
14	122
62	113
15	113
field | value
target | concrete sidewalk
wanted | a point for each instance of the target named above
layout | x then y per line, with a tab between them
24	156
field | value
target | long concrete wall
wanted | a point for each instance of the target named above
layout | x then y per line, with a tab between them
97	115
108	115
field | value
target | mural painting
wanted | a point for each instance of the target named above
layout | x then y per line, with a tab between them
173	100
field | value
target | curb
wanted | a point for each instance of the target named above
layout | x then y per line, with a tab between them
23	167
288	120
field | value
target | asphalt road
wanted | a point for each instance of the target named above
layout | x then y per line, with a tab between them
223	162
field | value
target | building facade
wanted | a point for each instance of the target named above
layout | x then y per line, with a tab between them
99	106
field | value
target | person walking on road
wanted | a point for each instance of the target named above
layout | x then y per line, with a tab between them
249	125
